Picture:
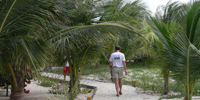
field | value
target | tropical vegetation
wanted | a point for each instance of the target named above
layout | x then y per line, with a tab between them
179	37
35	33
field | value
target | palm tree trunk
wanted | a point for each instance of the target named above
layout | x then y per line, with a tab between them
72	78
74	83
166	82
190	96
6	89
191	89
17	92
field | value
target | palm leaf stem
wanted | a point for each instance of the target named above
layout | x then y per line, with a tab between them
13	75
192	87
12	22
81	65
27	50
105	56
75	28
188	72
7	15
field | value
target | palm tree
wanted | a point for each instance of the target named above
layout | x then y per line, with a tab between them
126	10
86	39
166	14
131	13
22	45
26	39
180	42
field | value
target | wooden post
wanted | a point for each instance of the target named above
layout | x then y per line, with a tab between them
89	98
133	83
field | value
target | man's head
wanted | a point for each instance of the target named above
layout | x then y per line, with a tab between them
117	47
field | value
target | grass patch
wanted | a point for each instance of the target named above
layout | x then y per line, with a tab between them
85	91
54	83
92	69
59	88
57	71
88	69
47	81
171	96
149	78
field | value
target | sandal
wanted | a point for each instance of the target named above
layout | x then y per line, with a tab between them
120	93
117	95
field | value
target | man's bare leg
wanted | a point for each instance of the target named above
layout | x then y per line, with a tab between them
65	76
117	85
120	85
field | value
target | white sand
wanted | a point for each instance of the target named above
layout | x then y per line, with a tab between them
36	92
105	91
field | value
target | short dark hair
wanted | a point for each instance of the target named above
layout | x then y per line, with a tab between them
117	47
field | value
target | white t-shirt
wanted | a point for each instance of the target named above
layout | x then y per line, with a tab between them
67	64
117	59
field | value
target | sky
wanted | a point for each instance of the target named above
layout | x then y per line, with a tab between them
153	4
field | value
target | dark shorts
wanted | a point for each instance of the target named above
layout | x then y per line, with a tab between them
66	69
117	72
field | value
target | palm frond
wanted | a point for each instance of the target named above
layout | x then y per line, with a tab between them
193	21
180	52
78	36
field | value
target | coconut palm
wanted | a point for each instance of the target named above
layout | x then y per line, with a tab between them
80	12
180	43
166	14
79	41
132	13
26	39
22	45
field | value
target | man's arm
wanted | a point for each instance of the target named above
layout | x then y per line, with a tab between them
124	62
110	61
65	63
110	64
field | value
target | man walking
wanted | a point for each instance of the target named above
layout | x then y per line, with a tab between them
118	64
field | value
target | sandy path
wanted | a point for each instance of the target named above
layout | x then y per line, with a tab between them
36	92
106	91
